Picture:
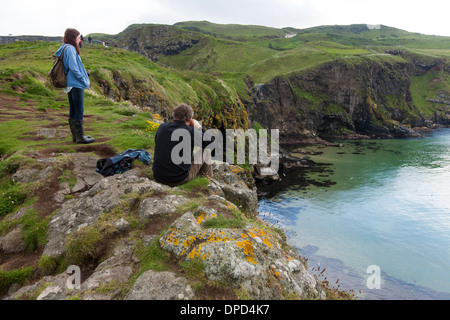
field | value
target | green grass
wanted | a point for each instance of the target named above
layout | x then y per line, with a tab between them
198	185
153	257
168	87
12	195
34	230
20	276
426	87
223	222
231	31
264	59
12	131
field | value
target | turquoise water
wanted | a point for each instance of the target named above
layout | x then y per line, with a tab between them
372	202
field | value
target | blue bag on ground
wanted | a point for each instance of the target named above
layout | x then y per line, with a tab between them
122	162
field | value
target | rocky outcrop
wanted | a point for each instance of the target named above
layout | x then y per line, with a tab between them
232	183
163	285
84	210
153	41
137	91
246	258
101	224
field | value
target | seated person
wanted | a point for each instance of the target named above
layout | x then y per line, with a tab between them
164	169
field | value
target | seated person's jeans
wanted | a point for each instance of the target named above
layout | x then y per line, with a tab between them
199	165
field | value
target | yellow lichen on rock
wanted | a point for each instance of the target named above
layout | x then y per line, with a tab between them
247	247
201	218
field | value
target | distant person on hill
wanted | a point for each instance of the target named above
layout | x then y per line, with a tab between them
77	81
90	39
166	169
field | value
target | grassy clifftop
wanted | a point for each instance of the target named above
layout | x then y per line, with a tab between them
123	76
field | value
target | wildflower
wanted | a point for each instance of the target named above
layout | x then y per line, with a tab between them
151	126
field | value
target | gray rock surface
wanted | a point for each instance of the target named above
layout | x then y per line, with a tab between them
13	241
235	186
164	285
85	209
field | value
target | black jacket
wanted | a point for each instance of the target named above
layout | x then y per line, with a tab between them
164	170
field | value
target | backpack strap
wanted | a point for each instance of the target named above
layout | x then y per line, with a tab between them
62	56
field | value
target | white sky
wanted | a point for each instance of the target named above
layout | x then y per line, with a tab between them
51	18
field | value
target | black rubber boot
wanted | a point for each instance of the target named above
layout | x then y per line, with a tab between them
78	126
72	130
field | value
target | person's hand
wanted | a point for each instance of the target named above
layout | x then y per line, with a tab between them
194	123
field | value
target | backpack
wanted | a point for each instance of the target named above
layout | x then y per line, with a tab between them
57	75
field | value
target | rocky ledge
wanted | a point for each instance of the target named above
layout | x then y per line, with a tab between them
110	228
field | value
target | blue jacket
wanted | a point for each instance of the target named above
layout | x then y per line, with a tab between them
77	76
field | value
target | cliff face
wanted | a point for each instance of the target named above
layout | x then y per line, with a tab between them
152	41
340	99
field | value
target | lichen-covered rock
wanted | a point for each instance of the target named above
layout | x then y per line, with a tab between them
246	258
85	209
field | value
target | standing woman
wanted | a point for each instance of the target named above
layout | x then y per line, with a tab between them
77	81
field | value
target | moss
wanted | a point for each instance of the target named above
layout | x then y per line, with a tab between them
82	245
48	265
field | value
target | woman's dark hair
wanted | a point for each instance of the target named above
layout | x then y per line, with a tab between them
70	37
183	112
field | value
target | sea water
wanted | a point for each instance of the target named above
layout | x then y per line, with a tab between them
382	203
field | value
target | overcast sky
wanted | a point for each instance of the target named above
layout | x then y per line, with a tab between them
51	18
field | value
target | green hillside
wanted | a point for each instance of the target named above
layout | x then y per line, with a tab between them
231	31
264	52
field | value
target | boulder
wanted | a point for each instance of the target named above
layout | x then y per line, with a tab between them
245	258
236	186
160	205
154	285
13	241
